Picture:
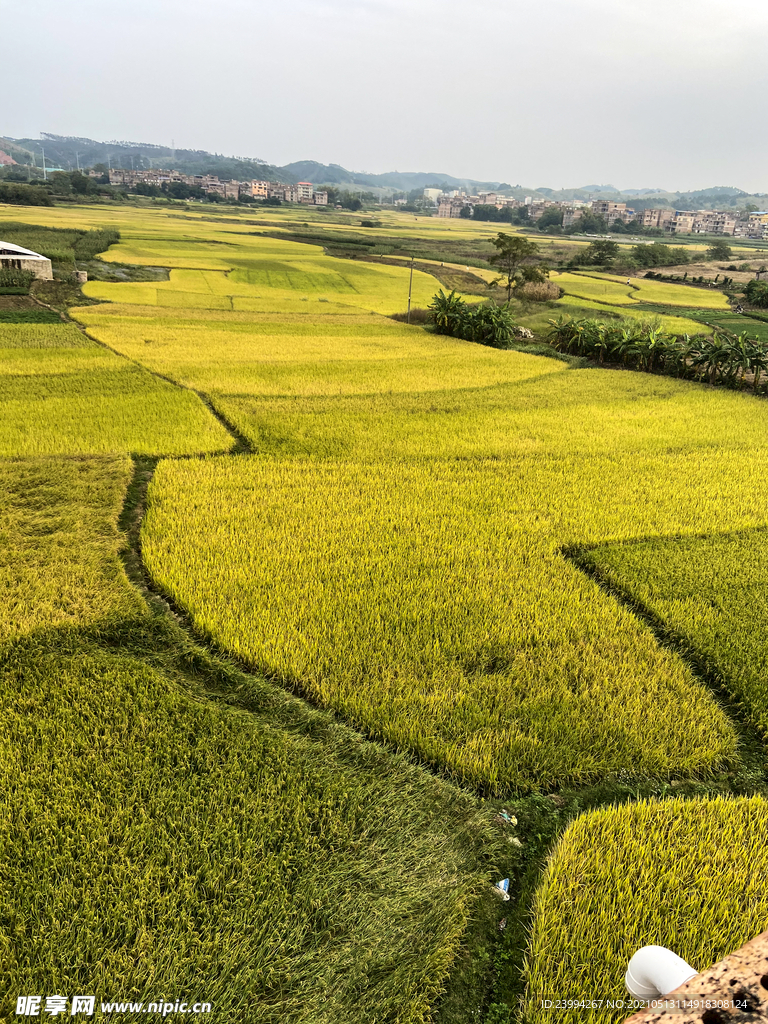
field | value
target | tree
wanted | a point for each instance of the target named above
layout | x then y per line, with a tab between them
757	293
588	222
551	218
465	212
485	211
659	255
599	253
82	185
60	183
719	251
513	253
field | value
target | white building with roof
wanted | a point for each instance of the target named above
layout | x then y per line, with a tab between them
14	257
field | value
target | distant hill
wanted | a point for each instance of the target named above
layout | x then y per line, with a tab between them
69	152
405	181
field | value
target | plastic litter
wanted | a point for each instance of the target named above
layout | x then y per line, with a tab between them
502	888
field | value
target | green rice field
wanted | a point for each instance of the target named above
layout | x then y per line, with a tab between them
703	590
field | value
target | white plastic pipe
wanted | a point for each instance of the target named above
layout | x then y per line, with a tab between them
656	971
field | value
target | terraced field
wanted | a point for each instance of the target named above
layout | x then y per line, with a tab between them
405	543
62	393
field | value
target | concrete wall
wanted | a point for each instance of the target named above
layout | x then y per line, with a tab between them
40	268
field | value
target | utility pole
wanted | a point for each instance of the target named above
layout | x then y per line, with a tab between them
45	173
410	289
77	158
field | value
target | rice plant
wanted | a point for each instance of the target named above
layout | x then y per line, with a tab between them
158	839
430	604
685	874
62	393
708	593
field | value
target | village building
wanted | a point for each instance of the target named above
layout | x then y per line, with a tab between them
305	191
14	257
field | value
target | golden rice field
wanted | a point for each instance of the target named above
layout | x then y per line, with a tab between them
389	410
59	543
158	838
646	290
615	291
597	289
404	545
364	286
285	354
62	394
443	586
670	324
682	873
516	419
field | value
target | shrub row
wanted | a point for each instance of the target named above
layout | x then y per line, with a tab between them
24	195
722	357
487	323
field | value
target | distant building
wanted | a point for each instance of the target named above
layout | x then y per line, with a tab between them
753	226
432	194
683	222
712	222
607	209
452	207
536	209
320	198
656	219
13	257
304	191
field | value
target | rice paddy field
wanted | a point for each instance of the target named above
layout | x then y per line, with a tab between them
64	394
644	300
661	869
413	578
242	850
703	590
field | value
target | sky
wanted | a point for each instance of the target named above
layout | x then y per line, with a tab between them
558	93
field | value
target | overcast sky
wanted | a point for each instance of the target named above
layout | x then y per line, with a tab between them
637	93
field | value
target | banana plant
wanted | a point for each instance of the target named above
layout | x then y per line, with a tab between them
447	312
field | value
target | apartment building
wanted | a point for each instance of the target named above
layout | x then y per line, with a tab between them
655	219
753	226
712	222
611	211
536	209
451	206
